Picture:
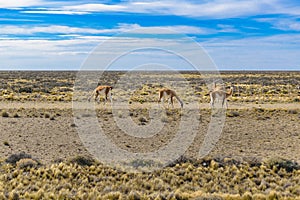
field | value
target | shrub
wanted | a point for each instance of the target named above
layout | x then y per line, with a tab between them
14	158
253	161
164	119
227	161
142	163
296	99
73	125
292	112
131	114
6	143
83	160
25	90
281	163
26	162
142	119
14	195
16	115
261	110
133	195
58	160
233	114
5	114
247	196
120	114
180	160
113	195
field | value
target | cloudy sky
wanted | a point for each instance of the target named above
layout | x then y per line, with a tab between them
236	34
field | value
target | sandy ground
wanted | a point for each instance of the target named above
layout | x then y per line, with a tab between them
48	131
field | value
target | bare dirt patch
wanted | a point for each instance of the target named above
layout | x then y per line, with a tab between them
252	131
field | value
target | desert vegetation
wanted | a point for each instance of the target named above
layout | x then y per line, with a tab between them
257	87
23	177
256	156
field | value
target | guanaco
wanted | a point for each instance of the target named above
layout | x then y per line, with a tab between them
102	89
169	94
222	95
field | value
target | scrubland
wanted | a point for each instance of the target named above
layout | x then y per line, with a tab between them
256	156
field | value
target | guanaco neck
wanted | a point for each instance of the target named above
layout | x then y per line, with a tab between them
229	93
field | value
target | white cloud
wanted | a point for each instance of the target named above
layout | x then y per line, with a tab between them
224	28
47	54
19	4
286	24
273	52
257	53
75	32
18	20
34	4
190	29
53	29
99	7
204	9
210	9
59	12
44	54
180	29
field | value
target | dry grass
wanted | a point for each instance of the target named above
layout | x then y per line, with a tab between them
186	179
83	178
253	87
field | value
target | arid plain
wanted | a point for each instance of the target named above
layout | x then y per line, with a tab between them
261	130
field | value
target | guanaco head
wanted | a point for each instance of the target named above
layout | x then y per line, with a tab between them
230	91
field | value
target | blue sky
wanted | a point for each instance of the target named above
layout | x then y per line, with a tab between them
237	34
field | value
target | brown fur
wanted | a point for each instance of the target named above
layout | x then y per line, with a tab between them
218	93
101	88
170	94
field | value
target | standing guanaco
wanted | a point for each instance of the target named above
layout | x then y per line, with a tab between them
169	94
222	95
102	89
